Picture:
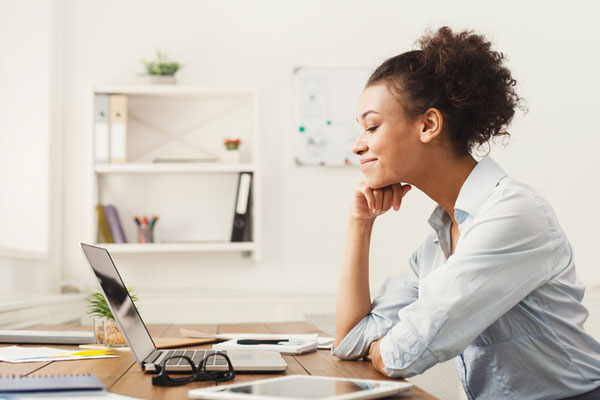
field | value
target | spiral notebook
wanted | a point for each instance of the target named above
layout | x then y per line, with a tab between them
51	383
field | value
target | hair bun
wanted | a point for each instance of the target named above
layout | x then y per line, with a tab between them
462	76
479	89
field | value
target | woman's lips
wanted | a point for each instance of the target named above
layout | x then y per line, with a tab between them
367	162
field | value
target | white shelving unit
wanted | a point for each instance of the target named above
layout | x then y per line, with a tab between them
194	200
174	91
156	168
141	248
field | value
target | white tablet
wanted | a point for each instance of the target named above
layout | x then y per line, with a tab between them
296	387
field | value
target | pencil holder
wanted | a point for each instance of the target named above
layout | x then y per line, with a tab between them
145	226
146	234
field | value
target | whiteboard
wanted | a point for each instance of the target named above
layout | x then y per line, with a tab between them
325	110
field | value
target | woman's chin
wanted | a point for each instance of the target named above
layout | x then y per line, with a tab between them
375	183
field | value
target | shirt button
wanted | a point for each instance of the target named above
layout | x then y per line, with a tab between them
406	357
414	350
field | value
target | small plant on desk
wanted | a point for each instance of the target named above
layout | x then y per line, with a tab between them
106	330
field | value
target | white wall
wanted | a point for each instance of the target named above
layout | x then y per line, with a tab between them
25	70
27	203
551	49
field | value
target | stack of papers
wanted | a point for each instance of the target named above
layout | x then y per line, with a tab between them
17	354
286	347
321	342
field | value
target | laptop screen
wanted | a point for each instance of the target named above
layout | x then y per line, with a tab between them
120	302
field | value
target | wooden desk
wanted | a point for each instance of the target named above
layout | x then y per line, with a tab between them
123	375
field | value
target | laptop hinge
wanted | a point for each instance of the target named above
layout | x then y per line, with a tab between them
152	357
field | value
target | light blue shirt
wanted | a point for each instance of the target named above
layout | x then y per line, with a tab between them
506	305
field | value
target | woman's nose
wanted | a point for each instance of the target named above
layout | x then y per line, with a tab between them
359	146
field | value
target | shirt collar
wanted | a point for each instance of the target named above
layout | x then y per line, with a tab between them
482	179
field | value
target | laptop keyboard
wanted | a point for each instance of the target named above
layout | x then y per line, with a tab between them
196	356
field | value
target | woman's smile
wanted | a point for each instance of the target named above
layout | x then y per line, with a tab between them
366	163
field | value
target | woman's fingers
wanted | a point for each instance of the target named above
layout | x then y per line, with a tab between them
396	195
388	198
383	199
378	194
367	192
391	197
378	201
403	189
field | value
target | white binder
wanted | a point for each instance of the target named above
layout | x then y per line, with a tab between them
242	216
118	128
101	129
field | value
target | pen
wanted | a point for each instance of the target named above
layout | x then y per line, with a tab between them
263	341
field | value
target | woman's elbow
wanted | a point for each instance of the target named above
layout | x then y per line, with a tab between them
344	355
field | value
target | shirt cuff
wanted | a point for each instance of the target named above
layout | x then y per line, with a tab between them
356	343
404	354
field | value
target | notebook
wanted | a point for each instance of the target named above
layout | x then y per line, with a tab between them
137	336
56	383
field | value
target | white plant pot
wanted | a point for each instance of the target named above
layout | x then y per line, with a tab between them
162	79
231	157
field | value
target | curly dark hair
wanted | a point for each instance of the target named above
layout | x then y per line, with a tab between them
461	76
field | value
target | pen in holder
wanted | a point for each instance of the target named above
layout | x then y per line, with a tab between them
145	227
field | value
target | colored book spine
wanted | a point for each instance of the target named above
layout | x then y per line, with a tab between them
114	223
104	235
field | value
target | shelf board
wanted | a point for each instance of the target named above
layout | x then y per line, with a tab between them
171	90
142	168
188	247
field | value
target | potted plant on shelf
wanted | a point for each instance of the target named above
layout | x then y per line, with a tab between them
161	70
232	150
106	330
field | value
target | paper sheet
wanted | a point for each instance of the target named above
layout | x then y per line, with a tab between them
17	354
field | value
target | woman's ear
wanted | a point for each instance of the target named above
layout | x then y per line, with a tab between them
432	124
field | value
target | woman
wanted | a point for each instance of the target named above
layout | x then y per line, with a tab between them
494	284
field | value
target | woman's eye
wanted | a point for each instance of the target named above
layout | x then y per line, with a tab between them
371	128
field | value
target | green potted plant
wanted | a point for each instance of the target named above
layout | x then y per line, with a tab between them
161	70
106	330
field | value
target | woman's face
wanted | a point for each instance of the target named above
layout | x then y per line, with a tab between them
389	145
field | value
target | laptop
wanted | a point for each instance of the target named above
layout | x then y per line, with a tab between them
139	340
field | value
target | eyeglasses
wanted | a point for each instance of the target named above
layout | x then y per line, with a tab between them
198	373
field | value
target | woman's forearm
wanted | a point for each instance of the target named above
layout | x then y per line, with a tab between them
354	298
